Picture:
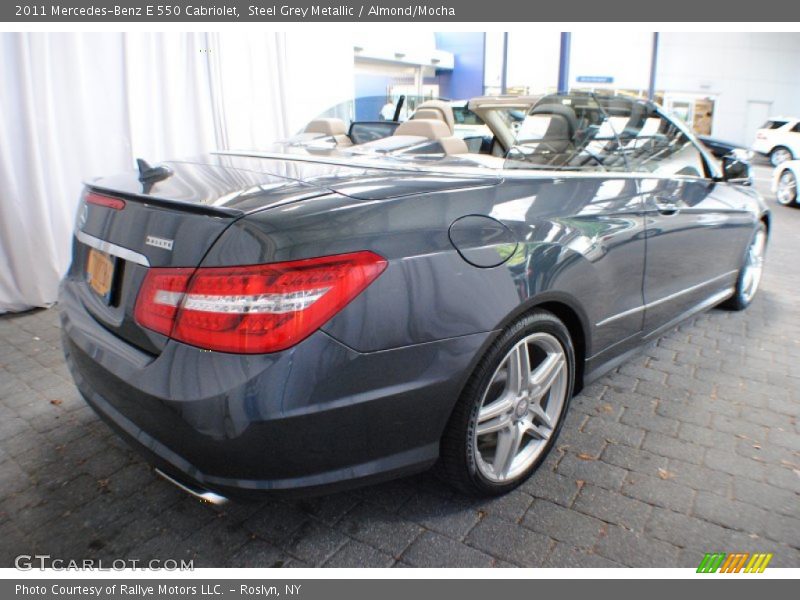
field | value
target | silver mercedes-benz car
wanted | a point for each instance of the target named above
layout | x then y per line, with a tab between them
370	298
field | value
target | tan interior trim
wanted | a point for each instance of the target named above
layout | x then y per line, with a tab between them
453	145
432	129
330	127
437	109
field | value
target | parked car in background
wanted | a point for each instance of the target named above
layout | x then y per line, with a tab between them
784	182
779	140
323	313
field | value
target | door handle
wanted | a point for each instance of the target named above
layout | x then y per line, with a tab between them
666	206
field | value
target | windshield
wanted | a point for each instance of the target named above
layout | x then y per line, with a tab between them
573	131
579	131
576	131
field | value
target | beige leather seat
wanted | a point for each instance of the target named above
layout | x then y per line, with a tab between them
439	110
330	127
454	145
433	129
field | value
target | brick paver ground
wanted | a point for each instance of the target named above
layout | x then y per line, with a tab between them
693	446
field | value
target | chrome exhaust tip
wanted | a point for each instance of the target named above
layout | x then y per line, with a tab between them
204	495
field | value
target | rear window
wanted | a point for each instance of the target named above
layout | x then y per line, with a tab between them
774	124
796	128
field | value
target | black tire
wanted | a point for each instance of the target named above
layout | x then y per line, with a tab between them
740	299
777	152
457	463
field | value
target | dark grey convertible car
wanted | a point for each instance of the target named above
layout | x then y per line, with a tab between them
367	299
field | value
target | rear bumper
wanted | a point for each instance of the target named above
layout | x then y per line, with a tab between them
318	416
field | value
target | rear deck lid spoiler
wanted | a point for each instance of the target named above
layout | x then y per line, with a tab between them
234	184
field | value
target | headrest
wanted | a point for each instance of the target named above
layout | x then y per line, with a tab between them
428	113
558	109
436	109
327	127
432	129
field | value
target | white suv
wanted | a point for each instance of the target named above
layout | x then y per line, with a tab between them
779	139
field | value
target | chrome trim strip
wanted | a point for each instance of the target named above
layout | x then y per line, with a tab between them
109	248
205	495
690	289
622	315
632	311
697	308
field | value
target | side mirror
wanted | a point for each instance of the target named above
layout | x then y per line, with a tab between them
736	170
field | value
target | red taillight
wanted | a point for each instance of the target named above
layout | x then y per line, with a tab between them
159	297
253	309
107	201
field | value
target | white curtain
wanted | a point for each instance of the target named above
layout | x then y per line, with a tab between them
76	106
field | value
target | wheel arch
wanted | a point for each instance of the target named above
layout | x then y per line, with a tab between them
785	147
570	312
766	219
577	331
567	309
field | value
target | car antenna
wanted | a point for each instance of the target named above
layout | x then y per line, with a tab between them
149	176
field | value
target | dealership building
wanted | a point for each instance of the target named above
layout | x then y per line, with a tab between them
725	85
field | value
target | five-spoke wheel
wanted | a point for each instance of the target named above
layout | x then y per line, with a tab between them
754	265
750	273
512	407
521	406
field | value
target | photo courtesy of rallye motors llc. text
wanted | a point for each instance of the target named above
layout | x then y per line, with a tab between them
144	591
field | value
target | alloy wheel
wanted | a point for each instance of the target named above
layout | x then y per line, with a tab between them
754	265
521	407
787	188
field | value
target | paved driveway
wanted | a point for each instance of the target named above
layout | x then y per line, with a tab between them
694	446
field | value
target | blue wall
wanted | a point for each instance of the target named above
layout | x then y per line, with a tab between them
466	79
370	96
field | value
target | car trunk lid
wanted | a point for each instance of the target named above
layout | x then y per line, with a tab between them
125	226
131	223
